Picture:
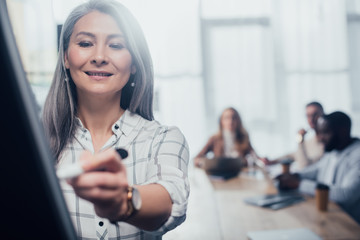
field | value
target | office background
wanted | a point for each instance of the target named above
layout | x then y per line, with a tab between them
266	58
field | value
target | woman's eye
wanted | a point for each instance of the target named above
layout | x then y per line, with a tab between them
116	45
85	44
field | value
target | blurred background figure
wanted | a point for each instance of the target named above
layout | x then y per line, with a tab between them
231	141
310	148
339	168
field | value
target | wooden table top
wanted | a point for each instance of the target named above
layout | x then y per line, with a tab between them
236	218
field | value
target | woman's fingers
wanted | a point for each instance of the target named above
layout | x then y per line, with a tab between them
100	179
104	183
108	160
104	176
99	195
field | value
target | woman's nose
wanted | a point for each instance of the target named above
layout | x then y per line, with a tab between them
99	57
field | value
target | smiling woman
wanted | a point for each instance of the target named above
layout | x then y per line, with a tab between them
100	100
136	94
100	66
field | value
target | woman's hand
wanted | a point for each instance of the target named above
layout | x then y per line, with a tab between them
104	183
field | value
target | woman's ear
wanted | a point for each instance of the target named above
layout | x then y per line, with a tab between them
66	61
133	69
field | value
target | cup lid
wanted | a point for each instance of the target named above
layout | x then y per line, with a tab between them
287	161
322	186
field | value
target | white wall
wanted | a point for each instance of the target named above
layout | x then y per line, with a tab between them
268	72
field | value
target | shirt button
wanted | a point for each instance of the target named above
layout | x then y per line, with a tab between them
116	127
101	223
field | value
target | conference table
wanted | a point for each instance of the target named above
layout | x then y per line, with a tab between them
217	211
236	218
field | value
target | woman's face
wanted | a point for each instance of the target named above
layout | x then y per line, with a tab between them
228	120
97	57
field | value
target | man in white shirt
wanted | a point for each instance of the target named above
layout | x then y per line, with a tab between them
339	168
310	149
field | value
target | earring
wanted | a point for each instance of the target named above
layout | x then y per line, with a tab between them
66	74
132	84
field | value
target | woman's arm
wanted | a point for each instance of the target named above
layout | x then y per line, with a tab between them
207	148
155	208
164	194
200	157
107	189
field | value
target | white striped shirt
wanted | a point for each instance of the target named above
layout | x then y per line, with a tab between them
157	154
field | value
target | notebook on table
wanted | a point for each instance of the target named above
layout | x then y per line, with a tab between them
275	201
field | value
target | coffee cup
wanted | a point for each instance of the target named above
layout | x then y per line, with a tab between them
285	164
322	197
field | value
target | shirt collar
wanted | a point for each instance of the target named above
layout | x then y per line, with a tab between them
79	123
125	124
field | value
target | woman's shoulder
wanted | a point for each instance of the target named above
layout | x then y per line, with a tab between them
215	137
160	129
165	135
154	127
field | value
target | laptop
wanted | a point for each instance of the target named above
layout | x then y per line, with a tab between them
284	234
225	167
275	201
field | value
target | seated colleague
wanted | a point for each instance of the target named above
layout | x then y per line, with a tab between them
101	99
232	140
309	149
339	168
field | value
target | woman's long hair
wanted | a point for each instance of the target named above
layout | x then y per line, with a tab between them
60	107
241	134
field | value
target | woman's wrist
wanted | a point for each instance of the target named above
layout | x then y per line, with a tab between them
133	203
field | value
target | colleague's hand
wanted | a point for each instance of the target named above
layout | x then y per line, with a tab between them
199	162
104	183
300	135
288	181
265	160
302	132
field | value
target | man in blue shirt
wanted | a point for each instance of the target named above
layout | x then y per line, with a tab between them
339	168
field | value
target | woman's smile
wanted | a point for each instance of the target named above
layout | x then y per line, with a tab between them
98	75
